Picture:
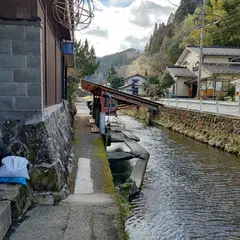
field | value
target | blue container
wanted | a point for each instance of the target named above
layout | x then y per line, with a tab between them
67	48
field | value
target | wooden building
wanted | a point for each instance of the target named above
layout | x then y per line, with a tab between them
33	65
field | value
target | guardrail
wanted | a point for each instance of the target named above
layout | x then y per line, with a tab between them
215	107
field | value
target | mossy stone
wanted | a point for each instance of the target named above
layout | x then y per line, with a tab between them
45	179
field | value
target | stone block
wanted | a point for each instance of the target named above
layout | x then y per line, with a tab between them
12	61
34	90
26	47
13	89
33	33
12	32
5	46
26	75
20	197
46	179
5	216
6	75
6	103
22	115
33	61
28	103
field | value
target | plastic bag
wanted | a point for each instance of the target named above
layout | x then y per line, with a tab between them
14	167
13	180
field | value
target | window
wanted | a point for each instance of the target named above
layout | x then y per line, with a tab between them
135	80
195	67
225	86
218	86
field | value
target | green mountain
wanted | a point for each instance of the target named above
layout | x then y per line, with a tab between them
116	60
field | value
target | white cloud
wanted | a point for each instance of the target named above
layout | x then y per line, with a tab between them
121	3
113	26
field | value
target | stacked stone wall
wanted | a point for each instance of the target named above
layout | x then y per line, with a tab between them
217	131
47	145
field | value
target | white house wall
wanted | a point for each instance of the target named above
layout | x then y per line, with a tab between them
130	80
182	89
190	58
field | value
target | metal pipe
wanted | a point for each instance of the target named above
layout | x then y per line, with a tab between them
201	47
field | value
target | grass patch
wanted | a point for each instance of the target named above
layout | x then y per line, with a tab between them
76	141
101	154
108	186
125	210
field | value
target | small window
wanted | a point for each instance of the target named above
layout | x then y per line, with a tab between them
225	86
135	80
196	67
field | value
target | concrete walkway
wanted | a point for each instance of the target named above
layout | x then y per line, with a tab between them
90	212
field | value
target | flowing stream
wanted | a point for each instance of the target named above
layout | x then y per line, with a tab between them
190	190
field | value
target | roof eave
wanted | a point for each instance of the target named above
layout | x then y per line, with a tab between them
182	56
170	72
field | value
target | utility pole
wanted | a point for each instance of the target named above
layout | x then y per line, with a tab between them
203	14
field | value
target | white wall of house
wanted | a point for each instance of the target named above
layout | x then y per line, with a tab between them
190	59
139	80
181	89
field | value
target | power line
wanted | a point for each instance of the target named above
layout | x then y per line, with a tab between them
173	4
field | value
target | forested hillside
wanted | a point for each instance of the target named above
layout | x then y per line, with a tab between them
168	40
115	60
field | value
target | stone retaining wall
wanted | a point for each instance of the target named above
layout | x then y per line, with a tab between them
220	132
47	145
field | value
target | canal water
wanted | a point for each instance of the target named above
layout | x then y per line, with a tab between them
190	190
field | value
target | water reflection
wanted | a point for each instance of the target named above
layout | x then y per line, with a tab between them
190	190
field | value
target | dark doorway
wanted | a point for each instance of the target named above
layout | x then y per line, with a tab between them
194	90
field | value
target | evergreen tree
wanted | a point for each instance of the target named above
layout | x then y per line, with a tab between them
115	80
186	7
86	62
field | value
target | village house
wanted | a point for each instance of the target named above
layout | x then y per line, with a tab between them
133	84
220	67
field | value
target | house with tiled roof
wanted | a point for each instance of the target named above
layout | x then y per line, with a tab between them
133	84
220	66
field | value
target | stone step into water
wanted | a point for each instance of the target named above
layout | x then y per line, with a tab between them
137	150
131	136
138	172
5	217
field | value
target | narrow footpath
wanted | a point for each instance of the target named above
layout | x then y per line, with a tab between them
90	211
